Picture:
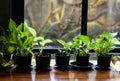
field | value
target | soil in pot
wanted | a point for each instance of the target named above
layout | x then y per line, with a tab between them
43	61
82	60
62	61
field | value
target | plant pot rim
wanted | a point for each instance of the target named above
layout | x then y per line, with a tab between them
84	55
23	55
108	55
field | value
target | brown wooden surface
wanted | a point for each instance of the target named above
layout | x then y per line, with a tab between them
59	75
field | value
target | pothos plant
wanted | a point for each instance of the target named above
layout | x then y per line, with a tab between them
26	36
8	39
67	48
105	43
3	63
41	43
8	42
81	45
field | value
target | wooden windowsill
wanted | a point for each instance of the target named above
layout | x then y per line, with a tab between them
60	75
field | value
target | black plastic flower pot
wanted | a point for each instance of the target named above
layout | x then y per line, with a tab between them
82	60
104	61
14	57
43	61
7	57
62	61
24	61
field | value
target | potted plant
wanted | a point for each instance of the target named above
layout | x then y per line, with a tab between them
8	41
25	41
3	63
62	58
102	46
42	58
81	47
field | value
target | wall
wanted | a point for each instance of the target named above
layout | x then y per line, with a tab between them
5	12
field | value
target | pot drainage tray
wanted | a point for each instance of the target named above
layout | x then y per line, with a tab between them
42	68
102	68
75	66
62	68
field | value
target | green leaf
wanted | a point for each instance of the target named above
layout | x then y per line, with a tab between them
20	27
84	39
25	32
2	61
13	36
76	43
106	35
32	31
46	41
10	49
29	41
39	38
8	63
62	43
12	25
21	43
113	34
23	39
116	41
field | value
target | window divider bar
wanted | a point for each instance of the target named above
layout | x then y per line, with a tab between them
84	17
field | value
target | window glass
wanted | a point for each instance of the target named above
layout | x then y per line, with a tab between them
54	19
61	19
103	15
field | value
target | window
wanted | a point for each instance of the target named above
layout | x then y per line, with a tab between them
103	16
61	19
55	19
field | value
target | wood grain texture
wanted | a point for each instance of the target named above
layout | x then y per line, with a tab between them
59	75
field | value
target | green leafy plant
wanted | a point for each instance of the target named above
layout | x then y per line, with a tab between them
105	43
8	42
8	39
67	48
81	45
26	37
3	63
41	43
